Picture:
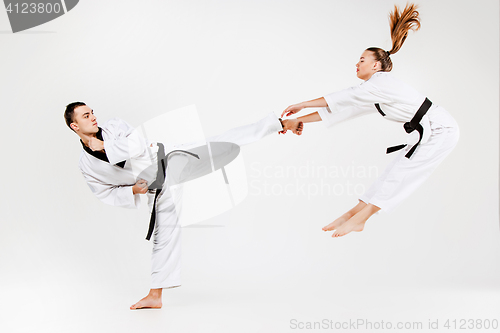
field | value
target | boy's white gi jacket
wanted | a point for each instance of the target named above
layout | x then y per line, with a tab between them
111	183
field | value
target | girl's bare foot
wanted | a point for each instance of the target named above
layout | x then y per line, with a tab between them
152	301
357	222
338	222
341	220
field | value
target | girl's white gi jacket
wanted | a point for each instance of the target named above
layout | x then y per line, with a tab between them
397	100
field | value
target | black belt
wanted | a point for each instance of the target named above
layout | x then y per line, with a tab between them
160	179
413	124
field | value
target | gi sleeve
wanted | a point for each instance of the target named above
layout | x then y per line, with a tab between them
114	195
330	118
351	102
125	143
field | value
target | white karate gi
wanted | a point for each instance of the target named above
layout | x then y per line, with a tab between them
399	102
109	182
113	185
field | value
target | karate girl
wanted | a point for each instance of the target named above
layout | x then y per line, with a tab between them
433	131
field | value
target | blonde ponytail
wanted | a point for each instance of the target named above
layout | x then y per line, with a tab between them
400	23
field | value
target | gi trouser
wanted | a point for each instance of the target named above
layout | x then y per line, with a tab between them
166	256
403	176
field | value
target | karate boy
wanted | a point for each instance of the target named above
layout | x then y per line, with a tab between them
106	164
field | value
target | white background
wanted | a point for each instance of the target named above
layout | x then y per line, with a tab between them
69	263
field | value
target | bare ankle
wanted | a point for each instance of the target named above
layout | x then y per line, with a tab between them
156	293
349	214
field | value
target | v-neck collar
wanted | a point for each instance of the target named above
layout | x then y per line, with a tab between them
100	154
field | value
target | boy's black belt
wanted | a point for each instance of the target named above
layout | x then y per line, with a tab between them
412	125
160	179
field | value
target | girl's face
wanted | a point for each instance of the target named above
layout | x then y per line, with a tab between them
367	66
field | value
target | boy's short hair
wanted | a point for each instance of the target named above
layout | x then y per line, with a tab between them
70	112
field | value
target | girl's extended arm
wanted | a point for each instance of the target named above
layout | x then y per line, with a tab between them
315	103
310	118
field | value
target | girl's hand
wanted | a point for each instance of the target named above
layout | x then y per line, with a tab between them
292	109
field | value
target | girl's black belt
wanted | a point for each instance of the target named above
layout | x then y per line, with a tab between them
412	125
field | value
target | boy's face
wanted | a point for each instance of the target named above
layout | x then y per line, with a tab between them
84	120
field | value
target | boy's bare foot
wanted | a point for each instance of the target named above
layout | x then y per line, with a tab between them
152	301
293	125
